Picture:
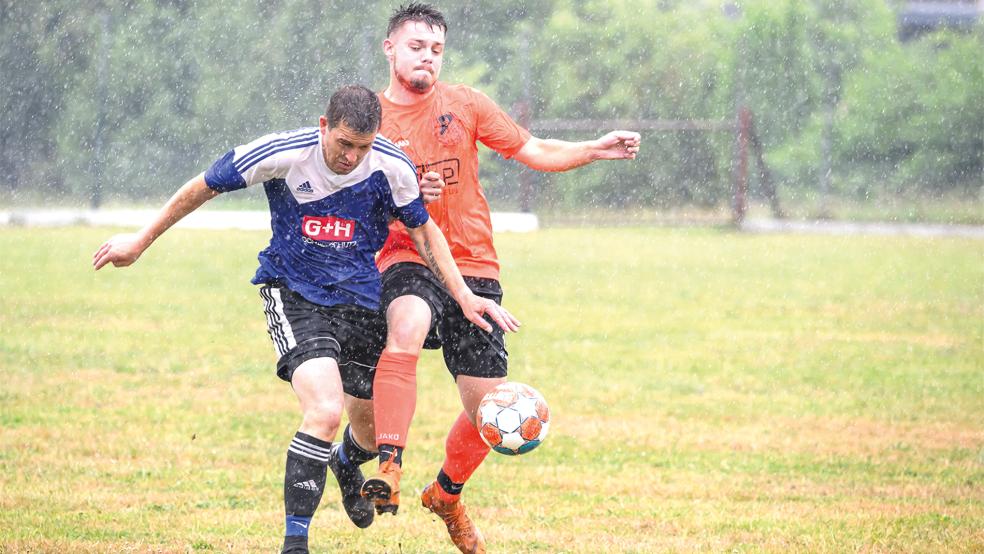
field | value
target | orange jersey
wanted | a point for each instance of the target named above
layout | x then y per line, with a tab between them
441	134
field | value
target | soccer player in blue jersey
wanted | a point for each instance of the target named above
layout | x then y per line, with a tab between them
332	191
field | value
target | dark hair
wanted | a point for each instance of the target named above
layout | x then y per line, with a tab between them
356	106
415	11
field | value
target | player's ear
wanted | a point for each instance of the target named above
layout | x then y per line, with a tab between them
388	47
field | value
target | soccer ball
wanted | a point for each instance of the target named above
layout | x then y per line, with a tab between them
513	418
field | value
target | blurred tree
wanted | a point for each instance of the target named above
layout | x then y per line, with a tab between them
843	31
119	100
30	96
596	60
915	117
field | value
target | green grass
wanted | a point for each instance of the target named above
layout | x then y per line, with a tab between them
710	391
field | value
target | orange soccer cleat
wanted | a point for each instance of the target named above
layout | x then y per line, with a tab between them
462	531
383	488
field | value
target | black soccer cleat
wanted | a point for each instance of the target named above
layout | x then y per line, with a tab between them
295	545
350	479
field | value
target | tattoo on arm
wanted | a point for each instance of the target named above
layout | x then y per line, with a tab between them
432	262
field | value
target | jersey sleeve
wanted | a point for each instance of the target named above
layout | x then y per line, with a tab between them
407	204
496	129
265	158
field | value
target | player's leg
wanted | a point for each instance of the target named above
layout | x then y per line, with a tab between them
408	319
464	448
395	397
464	452
478	361
302	335
361	333
361	421
409	296
354	449
318	387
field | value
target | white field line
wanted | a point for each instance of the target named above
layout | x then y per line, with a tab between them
252	220
852	228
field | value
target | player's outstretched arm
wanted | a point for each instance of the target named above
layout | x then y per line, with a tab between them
561	155
433	248
123	250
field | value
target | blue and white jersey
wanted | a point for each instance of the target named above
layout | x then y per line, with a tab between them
326	227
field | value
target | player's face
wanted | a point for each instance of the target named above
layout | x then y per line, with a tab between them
343	148
415	52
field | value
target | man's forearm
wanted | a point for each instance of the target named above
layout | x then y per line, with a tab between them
187	199
561	155
434	250
556	155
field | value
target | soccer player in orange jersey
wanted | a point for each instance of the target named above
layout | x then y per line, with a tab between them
438	125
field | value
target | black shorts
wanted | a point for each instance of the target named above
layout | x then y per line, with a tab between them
468	350
351	335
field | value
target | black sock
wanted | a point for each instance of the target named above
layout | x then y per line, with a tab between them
351	452
387	451
304	481
447	484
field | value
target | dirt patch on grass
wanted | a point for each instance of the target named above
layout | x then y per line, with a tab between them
815	435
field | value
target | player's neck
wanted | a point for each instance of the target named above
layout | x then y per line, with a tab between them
402	96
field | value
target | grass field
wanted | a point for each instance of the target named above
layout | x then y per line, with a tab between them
710	392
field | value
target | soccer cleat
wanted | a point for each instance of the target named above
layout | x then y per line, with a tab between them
350	480
295	545
383	488
462	531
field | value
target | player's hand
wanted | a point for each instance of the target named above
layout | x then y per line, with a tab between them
120	250
474	307
619	145
431	187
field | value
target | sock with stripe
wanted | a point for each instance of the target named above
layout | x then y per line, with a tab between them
464	451
304	482
390	452
394	389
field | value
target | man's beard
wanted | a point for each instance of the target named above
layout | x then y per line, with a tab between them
418	85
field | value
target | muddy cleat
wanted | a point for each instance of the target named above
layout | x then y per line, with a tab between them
383	488
350	480
462	531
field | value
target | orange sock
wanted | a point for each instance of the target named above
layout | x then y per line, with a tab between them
394	397
464	452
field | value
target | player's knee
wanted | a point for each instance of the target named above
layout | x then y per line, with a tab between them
406	331
472	390
325	415
407	335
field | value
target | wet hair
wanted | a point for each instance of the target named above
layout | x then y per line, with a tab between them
416	11
357	107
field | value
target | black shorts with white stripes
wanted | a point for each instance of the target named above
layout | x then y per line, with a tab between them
301	330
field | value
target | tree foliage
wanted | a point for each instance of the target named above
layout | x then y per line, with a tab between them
125	99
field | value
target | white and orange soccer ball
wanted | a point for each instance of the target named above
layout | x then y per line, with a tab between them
513	418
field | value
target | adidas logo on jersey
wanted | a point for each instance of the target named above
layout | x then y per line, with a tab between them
307	485
305	187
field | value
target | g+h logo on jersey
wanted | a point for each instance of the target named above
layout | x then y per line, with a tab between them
329	228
